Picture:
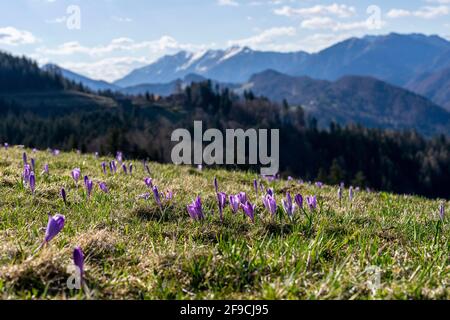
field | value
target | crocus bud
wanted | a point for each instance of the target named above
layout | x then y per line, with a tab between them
249	210
312	202
89	187
234	203
270	204
78	261
288	205
149	182
103	187
195	209
76	173
222	200
299	200
157	195
54	226
32	182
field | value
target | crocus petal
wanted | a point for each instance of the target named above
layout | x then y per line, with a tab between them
54	226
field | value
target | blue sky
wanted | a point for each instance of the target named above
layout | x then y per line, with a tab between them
106	39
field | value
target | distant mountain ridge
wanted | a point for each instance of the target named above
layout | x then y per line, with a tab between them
435	86
234	65
353	99
394	58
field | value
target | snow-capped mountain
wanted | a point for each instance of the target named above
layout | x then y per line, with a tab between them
395	58
236	65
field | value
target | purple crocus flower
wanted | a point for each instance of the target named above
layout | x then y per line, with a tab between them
299	200
312	202
270	192
340	193
6	145
33	164
249	210
76	173
113	167
350	194
255	186
131	168
157	195
288	205
54	226
78	261
86	180
24	158
270	204
234	203
32	182
96	155
242	196
103	187
104	167
442	211
216	185
63	195
89	187
119	156
56	152
195	209
26	174
124	167
46	170
319	185
149	182
222	200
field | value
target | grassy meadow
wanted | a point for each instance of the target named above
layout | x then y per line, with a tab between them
378	246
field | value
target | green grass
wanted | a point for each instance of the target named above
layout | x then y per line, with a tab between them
136	251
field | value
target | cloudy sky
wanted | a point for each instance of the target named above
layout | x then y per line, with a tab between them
106	39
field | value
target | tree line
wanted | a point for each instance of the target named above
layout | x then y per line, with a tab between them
401	162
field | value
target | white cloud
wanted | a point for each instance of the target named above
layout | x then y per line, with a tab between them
161	45
339	10
320	41
109	69
13	37
326	23
426	12
265	37
231	3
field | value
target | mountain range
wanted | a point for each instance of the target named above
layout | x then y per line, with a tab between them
394	58
393	81
353	99
415	62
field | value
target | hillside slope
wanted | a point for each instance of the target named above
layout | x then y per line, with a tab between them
435	86
135	249
353	99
